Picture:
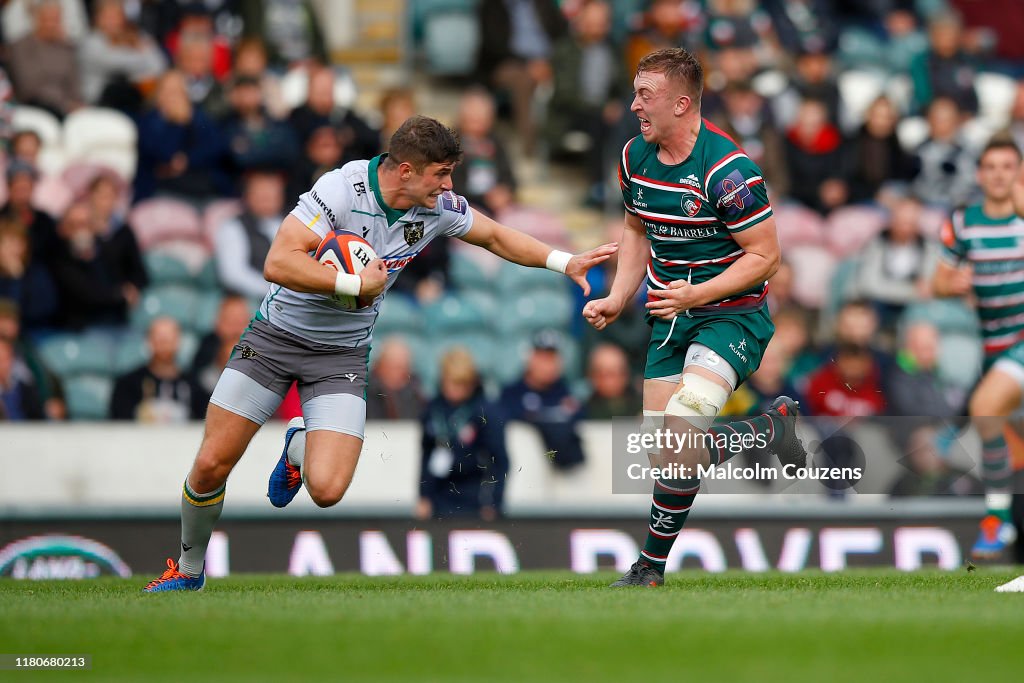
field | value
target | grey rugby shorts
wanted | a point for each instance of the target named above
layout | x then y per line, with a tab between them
267	359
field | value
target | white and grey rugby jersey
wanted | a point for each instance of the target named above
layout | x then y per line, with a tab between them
348	198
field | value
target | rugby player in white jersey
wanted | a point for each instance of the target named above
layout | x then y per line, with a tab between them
398	202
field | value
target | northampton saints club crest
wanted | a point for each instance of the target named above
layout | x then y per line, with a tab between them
691	206
413	232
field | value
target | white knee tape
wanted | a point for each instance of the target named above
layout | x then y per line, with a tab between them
698	400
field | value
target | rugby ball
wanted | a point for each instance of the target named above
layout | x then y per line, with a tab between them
347	252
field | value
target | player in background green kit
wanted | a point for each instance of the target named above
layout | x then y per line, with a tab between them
700	230
983	255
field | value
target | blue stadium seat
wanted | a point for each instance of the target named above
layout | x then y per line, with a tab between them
466	274
515	280
175	301
398	315
207	307
73	354
132	351
535	311
450	43
451	315
164	269
88	397
948	315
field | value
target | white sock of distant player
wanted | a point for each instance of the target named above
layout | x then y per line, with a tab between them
199	515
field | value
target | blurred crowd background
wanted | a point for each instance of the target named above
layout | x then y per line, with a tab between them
150	150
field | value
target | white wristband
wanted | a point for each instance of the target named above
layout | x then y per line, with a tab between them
558	261
347	284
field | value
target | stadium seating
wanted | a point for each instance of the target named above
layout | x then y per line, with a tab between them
88	397
996	93
101	136
72	354
165	268
450	42
162	219
536	310
960	359
398	315
911	132
813	268
175	301
950	316
848	229
797	224
466	274
451	316
132	351
45	124
52	195
216	214
207	307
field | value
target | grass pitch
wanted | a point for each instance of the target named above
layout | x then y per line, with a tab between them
856	626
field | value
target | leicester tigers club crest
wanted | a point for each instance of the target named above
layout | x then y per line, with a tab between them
413	232
691	206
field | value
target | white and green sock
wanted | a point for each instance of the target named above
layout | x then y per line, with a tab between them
199	514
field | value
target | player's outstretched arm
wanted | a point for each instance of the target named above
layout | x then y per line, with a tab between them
289	264
759	262
634	248
525	250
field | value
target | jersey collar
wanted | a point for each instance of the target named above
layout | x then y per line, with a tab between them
392	214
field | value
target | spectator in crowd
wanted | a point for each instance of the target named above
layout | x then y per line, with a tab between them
99	274
851	386
254	139
793	339
6	110
664	24
210	23
38	298
613	393
543	399
464	461
928	471
878	157
18	398
16	19
588	86
194	59
737	25
804	25
945	69
180	149
45	385
895	268
44	65
322	153
118	60
485	176
396	105
289	28
516	42
815	154
25	147
946	167
23	278
215	348
914	387
746	118
857	323
813	79
241	244
358	139
251	60
394	391
160	391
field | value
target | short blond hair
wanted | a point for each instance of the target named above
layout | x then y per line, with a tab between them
457	364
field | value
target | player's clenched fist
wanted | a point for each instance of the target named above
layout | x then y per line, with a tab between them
602	312
374	277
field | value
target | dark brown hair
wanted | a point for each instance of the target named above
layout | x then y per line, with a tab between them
679	66
1000	141
422	141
